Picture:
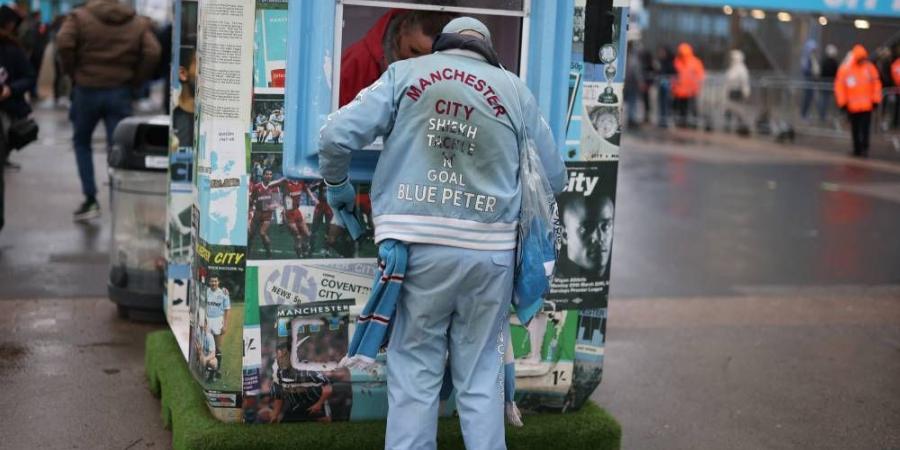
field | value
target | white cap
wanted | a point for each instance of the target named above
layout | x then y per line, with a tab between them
461	24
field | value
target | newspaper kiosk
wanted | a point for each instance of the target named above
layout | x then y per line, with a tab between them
277	281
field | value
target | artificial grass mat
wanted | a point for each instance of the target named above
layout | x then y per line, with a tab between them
184	411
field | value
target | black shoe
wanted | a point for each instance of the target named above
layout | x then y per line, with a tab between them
88	210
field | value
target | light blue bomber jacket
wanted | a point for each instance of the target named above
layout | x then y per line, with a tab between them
448	172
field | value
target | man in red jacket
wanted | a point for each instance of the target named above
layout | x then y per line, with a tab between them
397	35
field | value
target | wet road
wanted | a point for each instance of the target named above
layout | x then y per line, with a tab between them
755	302
711	220
755	297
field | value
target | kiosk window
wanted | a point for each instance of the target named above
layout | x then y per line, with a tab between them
378	24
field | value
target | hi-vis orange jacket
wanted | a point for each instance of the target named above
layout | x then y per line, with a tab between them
857	85
690	73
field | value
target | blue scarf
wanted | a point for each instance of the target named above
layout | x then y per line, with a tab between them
373	325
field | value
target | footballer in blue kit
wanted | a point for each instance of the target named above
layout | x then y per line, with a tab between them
206	349
218	305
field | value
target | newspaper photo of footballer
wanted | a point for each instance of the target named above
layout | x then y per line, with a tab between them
586	211
220	275
290	219
301	380
267	132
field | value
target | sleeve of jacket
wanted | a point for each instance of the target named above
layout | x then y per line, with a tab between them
25	76
840	93
150	54
539	132
66	41
356	125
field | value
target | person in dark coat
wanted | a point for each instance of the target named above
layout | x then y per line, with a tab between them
665	71
830	66
16	78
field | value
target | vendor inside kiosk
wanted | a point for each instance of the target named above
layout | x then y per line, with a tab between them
369	35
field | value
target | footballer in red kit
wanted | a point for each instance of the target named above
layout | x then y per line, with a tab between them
265	199
298	194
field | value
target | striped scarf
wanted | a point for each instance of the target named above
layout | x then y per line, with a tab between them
374	323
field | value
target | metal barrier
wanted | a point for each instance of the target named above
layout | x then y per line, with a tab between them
782	107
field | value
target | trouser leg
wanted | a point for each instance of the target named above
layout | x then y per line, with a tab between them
466	292
865	124
85	115
416	354
117	106
477	349
856	131
896	122
807	101
664	102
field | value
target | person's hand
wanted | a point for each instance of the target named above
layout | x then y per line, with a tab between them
5	93
341	195
314	409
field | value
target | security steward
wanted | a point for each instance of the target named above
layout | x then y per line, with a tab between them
857	89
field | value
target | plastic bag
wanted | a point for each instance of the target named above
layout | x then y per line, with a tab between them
538	235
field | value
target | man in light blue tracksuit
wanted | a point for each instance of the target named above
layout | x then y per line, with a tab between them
447	185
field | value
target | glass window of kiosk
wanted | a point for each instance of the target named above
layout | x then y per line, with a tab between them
506	19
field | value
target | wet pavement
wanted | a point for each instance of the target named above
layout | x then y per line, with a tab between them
72	372
42	253
755	302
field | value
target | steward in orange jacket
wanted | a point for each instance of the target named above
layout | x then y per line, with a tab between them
857	89
690	73
857	86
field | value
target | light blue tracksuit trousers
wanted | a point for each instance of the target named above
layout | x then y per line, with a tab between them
455	300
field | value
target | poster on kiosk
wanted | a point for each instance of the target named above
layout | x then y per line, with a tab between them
277	282
181	154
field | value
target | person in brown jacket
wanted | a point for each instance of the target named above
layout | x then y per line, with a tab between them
107	50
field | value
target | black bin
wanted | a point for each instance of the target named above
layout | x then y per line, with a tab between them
138	186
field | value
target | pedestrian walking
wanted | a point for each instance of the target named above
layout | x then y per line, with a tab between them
109	51
830	64
16	78
650	73
687	85
857	90
634	86
810	69
737	88
665	71
454	235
